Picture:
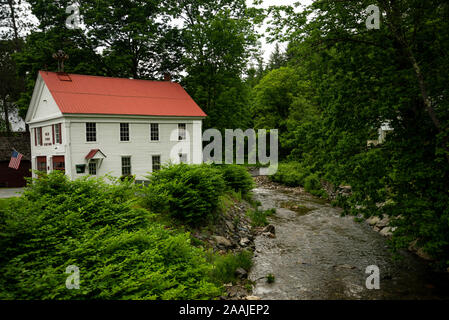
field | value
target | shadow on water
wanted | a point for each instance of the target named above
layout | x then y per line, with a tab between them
318	254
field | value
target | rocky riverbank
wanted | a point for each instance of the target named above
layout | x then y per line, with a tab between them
232	233
378	224
382	225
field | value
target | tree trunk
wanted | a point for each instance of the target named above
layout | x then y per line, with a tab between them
13	22
393	15
5	111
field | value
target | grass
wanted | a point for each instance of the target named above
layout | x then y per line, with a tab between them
296	206
259	217
270	278
226	265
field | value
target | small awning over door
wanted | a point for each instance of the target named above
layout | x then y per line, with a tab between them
95	154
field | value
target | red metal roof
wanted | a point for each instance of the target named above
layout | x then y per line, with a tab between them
82	94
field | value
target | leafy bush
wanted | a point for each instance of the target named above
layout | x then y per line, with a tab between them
291	174
237	178
259	217
294	174
120	251
226	265
187	192
312	182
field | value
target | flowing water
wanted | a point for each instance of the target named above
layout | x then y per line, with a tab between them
318	254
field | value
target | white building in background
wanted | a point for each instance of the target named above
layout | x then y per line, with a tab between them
98	125
384	129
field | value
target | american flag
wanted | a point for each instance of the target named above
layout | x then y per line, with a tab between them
15	160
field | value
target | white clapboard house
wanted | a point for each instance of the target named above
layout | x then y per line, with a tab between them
99	125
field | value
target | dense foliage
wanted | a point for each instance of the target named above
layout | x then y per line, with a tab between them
120	251
237	178
187	192
348	82
193	193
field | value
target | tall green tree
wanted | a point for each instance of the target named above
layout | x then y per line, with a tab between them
10	84
219	39
139	39
362	78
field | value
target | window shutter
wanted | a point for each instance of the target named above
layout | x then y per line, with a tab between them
40	136
35	136
53	131
60	133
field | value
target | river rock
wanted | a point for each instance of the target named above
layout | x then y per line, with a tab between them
241	273
222	241
384	222
270	228
424	255
230	225
269	235
236	292
252	298
373	220
386	232
413	246
244	242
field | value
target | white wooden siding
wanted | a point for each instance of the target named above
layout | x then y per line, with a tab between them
44	112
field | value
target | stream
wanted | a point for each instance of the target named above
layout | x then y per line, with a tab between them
318	254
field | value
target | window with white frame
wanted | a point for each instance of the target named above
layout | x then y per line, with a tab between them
124	131
181	131
91	131
154	131
126	166
156	162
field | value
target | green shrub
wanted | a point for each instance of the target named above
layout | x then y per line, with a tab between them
294	174
312	182
226	265
187	192
259	217
119	249
270	278
291	174
237	178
